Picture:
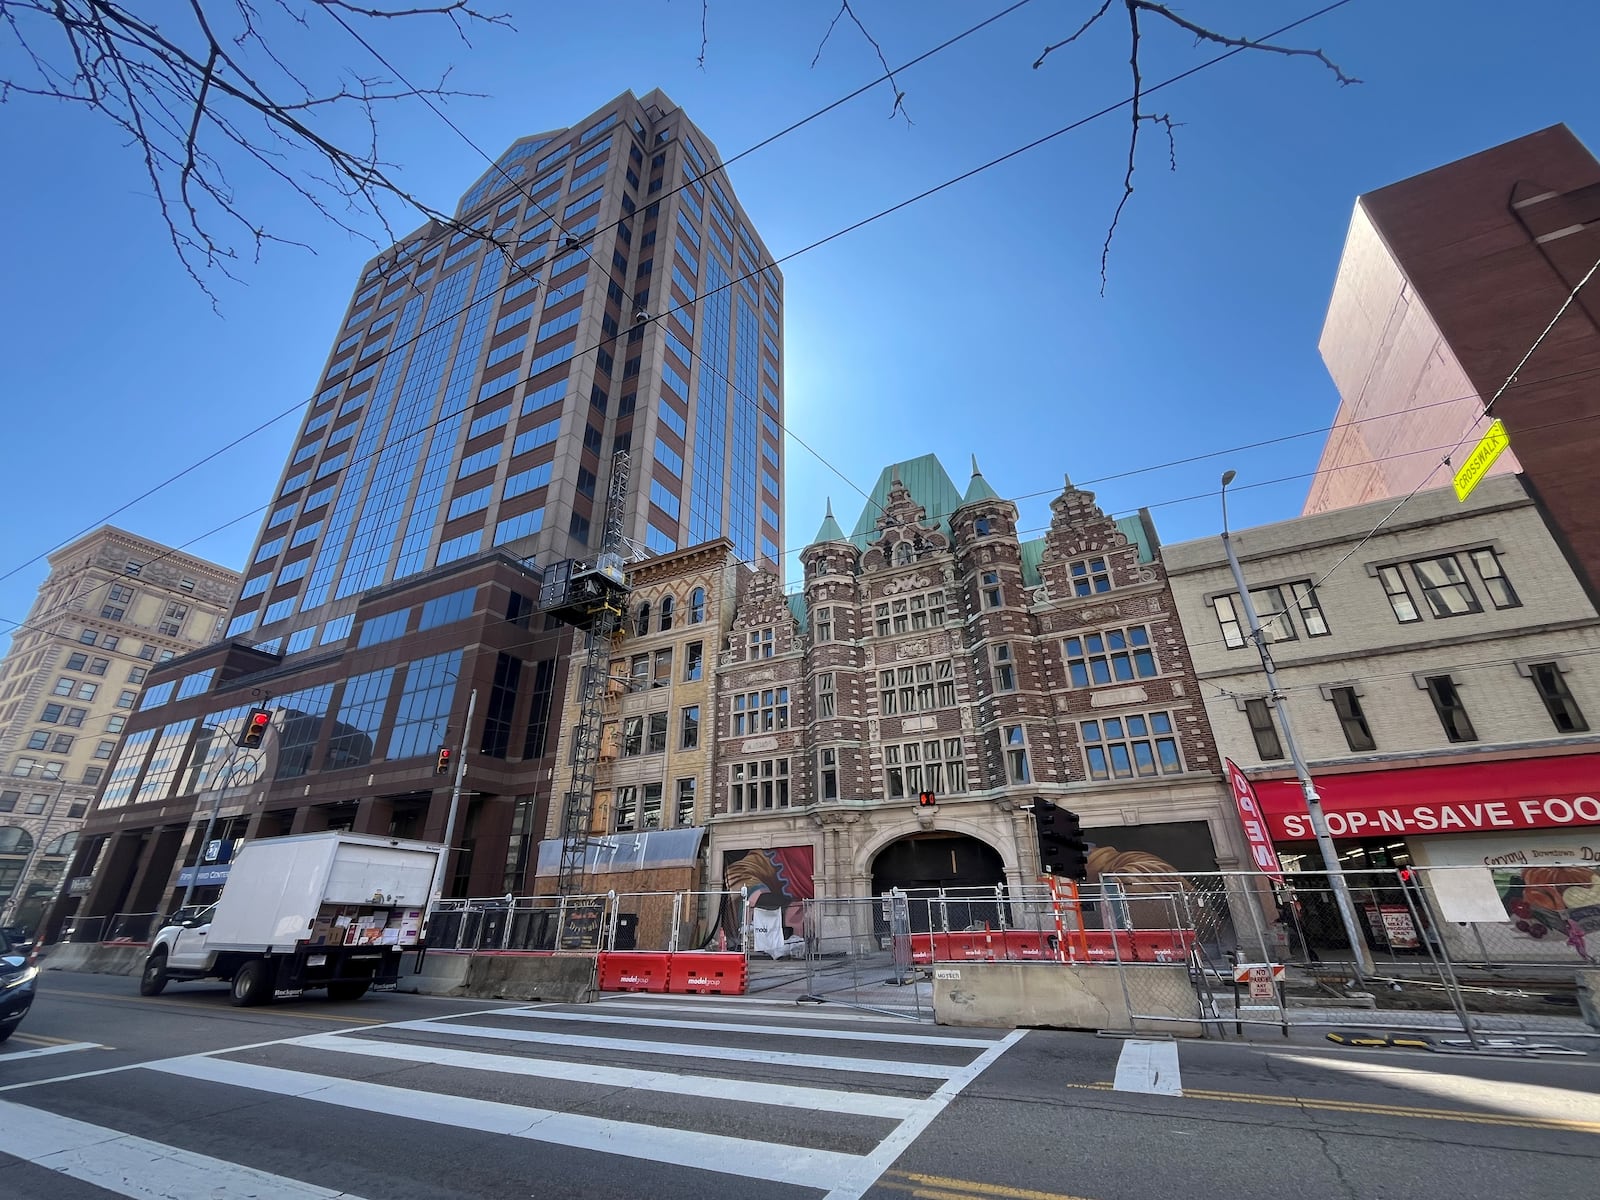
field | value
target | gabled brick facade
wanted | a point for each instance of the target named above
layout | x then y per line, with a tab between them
933	651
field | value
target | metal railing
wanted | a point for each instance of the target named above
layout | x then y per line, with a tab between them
859	952
654	921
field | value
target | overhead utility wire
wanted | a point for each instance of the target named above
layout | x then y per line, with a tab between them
1036	143
299	405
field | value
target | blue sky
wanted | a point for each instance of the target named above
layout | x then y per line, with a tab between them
971	322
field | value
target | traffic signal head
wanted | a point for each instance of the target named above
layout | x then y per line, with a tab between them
445	759
926	799
255	728
1062	850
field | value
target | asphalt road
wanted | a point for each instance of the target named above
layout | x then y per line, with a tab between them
104	1093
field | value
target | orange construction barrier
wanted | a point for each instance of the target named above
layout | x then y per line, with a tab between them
697	973
633	971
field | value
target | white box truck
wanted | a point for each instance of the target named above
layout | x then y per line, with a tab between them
317	910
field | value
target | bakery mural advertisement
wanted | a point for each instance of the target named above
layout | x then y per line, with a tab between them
779	882
1548	886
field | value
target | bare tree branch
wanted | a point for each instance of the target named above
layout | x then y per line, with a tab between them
196	100
1138	117
846	11
704	5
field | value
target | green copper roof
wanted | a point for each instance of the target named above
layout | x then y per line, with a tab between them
929	485
797	606
830	531
1133	526
978	488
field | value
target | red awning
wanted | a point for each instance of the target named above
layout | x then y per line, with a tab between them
1523	793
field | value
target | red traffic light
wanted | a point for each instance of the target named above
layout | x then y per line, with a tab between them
927	799
255	728
443	767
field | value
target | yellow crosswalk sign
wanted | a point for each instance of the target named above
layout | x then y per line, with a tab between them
1483	456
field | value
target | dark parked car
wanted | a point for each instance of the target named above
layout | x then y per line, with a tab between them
17	975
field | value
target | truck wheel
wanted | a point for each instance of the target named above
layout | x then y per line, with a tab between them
249	985
154	979
342	992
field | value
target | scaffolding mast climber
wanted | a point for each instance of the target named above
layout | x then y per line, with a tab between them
593	599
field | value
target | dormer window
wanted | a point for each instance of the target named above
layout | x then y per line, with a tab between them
1090	577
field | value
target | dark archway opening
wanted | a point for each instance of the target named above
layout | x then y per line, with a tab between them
958	871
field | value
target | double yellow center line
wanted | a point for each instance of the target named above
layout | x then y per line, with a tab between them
942	1187
1558	1124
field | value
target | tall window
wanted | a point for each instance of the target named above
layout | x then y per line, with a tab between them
823	625
1501	593
693	661
917	687
1445	587
689	729
650	806
934	766
1117	655
1347	704
825	695
1125	747
758	786
502	703
684	807
661	675
760	712
355	729
641	623
1309	608
625	809
638	672
666	614
424	710
1016	748
1394	587
1259	715
697	606
828	774
1558	702
1452	712
1005	671
991	589
1090	577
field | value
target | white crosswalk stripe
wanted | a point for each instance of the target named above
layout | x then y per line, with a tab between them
761	1095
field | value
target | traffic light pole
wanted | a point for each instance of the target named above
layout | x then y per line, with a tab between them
455	801
1308	788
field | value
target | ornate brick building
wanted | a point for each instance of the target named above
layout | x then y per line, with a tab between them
934	650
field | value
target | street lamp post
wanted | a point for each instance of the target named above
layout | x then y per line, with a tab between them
1308	788
455	800
226	773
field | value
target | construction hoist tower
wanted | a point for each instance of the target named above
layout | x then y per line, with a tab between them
592	597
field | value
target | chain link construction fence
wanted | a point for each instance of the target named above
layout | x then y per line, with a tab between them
859	952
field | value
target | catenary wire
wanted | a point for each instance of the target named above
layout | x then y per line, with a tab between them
720	168
732	282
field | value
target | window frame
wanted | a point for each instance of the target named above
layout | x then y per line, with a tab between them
1347	707
1263	729
1558	699
1449	708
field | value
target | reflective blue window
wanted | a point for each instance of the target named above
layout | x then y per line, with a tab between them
281	515
304	453
470	502
157	694
243	623
321	419
508	350
460	547
687	257
666	501
669	458
532	439
474	463
269	549
344	431
485	423
571	288
355	728
707	487
658	542
526	481
519	526
278	611
305	534
770	515
317	499
567	262
552	358
445	610
337	629
300	639
329	465
673	421
590	176
545	396
294	481
677	383
425	701
686	226
682	351
255	586
295	570
195	683
301	717
513	318
499	384
556	324
598	128
583	202
383	628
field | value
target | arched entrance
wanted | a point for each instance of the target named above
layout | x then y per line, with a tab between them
927	865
